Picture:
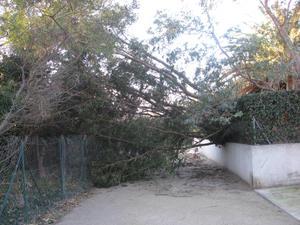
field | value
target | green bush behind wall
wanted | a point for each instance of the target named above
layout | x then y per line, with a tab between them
268	117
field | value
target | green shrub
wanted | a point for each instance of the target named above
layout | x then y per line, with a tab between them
268	117
135	150
110	174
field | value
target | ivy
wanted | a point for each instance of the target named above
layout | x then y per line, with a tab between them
268	117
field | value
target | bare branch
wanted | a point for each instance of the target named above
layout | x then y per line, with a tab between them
284	36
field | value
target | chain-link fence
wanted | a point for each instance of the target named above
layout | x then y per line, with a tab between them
36	173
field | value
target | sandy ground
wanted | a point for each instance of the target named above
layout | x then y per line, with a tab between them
200	194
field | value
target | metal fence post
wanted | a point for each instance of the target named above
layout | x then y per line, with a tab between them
83	161
62	165
260	128
254	129
24	183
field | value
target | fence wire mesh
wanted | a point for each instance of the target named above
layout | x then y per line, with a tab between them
36	173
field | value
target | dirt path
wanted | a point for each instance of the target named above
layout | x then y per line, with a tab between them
200	194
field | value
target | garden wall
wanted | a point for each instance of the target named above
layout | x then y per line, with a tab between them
259	165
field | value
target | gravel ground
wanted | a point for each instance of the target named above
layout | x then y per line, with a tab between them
201	193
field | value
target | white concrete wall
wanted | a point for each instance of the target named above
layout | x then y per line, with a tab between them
259	165
275	165
214	153
239	160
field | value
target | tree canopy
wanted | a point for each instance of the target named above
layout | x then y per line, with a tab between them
70	67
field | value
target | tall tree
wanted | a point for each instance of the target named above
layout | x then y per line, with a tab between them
53	39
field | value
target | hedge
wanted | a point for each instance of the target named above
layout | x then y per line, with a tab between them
268	117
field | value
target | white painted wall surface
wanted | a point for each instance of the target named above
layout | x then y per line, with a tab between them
259	165
239	160
214	153
275	165
235	157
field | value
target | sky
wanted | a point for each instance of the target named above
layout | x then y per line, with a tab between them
227	13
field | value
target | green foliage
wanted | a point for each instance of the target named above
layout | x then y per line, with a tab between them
215	119
140	109
105	175
268	117
263	54
138	152
38	27
5	100
10	76
277	116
